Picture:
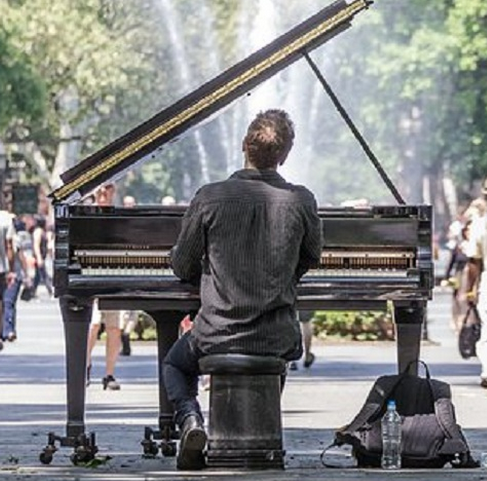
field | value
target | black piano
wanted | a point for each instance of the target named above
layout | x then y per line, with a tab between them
372	258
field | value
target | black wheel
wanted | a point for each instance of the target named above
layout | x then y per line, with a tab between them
82	455
150	449
45	457
74	459
168	449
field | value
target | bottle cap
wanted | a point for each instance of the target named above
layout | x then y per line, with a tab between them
391	404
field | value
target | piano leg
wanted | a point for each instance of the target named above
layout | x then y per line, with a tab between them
167	324
409	328
76	314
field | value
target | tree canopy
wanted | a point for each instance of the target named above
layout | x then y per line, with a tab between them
76	74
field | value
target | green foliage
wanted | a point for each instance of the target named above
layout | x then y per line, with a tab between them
22	91
358	326
411	74
97	62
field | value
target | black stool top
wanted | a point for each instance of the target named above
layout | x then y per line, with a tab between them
241	364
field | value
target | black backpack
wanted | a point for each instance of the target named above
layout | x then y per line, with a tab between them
431	436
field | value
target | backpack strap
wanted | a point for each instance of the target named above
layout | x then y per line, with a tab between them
376	401
365	416
455	445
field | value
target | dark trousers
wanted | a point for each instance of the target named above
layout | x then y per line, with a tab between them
181	373
10	296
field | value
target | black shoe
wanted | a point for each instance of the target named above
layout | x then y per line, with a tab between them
193	441
126	350
293	366
109	382
309	360
1	344
483	382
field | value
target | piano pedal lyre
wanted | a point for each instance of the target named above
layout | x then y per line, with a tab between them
85	448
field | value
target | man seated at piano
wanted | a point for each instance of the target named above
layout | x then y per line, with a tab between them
246	241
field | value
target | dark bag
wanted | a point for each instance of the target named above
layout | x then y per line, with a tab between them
431	437
469	333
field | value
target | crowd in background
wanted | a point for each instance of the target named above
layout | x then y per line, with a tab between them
466	273
25	259
461	248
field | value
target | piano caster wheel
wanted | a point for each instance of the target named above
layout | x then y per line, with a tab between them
150	448
47	454
82	454
168	449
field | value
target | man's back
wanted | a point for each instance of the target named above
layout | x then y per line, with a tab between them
258	235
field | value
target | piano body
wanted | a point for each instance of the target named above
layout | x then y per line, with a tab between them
371	257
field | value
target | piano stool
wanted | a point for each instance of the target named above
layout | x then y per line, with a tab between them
245	429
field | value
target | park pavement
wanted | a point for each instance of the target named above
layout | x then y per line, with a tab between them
315	402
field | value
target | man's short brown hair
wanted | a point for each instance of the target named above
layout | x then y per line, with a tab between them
269	139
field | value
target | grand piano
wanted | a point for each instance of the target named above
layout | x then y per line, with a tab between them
121	256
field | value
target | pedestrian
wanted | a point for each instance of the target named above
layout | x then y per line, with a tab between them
7	268
305	319
477	277
110	319
455	277
246	241
128	318
40	243
21	242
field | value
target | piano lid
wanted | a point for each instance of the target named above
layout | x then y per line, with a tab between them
133	147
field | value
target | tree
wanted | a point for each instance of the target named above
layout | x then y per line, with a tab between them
22	91
86	81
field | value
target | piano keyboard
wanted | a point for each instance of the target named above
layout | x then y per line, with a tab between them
157	263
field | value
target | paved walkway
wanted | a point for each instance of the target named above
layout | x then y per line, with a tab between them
315	402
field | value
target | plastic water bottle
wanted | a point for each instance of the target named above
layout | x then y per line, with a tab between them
391	438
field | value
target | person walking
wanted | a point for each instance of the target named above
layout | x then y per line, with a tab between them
110	319
476	278
305	319
246	241
21	242
40	243
128	318
7	269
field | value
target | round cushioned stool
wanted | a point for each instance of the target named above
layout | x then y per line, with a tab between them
245	429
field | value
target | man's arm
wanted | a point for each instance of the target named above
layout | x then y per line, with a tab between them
187	254
311	244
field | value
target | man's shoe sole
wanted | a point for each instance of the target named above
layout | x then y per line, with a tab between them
195	440
190	457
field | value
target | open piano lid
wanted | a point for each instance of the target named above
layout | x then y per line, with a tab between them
133	147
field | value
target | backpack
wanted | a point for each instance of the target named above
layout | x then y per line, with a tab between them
431	437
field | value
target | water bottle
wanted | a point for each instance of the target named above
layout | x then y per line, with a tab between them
391	438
